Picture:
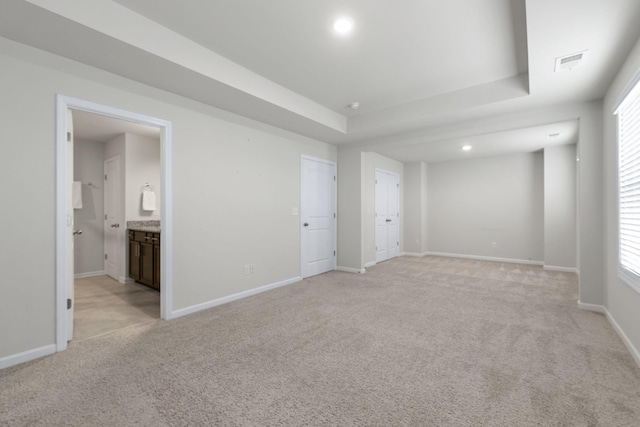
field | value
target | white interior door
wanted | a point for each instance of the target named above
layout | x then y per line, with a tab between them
70	228
112	217
382	215
387	215
393	211
318	216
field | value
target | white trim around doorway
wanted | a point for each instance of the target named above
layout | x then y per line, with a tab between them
62	239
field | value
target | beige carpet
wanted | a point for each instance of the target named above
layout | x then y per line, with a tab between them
414	341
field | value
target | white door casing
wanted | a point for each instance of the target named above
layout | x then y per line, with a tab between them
70	228
318	216
112	234
64	197
387	215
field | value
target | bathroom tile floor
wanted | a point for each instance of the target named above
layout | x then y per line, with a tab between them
103	305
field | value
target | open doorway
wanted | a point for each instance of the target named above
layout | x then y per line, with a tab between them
81	220
113	160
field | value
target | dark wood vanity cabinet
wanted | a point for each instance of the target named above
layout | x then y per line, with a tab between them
134	257
144	257
156	264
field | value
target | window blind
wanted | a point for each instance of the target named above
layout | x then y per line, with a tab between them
629	187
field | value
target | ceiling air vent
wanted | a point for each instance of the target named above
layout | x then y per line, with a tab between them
571	61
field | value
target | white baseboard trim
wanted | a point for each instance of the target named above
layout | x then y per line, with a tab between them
213	303
351	270
592	307
26	356
414	254
89	274
625	339
487	258
370	264
561	269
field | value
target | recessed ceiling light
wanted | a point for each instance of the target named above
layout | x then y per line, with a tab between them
466	148
354	105
553	135
343	25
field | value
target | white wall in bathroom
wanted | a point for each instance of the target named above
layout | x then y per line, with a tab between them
142	166
89	246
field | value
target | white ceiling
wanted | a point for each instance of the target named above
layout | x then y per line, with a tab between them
393	56
413	65
524	140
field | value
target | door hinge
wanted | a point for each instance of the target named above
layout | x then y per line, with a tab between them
68	136
334	177
334	215
376	181
69	303
398	185
334	253
105	256
105	217
105	176
398	243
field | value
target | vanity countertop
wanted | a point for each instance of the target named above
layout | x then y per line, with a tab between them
151	226
147	229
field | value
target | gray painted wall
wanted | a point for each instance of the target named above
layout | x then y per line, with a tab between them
590	206
560	207
350	205
474	203
415	208
235	182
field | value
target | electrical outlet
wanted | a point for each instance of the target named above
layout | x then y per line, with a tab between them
247	269
252	268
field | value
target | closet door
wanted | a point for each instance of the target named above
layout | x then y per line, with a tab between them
387	215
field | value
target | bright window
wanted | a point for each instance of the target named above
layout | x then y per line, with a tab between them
628	114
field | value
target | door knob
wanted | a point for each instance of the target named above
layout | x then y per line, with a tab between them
115	225
388	220
306	224
75	232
